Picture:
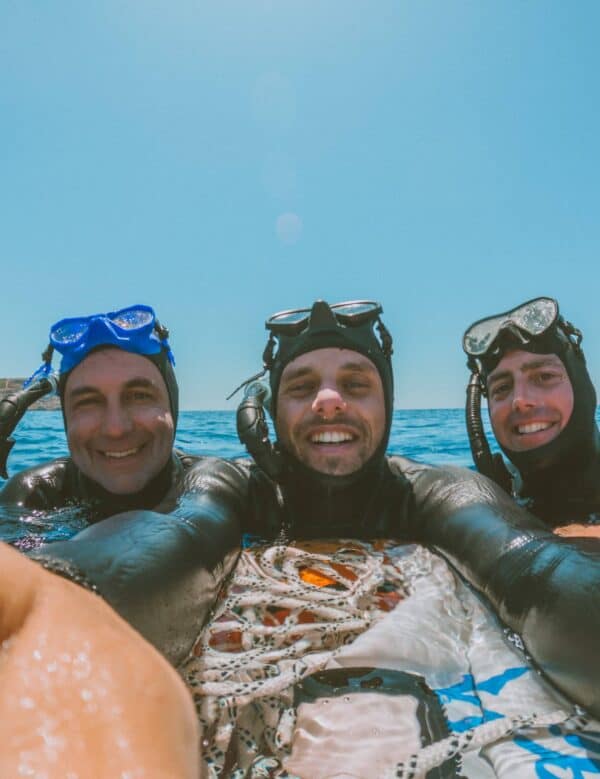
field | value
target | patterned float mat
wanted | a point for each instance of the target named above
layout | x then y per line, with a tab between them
291	611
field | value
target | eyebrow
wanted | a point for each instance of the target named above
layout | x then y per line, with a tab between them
531	365
90	389
360	366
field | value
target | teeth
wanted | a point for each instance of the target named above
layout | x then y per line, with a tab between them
330	437
534	427
118	455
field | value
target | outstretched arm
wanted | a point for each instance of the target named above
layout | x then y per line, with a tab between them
82	693
545	588
162	572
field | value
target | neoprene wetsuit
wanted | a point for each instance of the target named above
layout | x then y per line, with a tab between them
158	557
566	493
161	571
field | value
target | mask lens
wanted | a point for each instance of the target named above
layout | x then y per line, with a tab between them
536	317
478	338
69	331
356	311
289	317
533	318
132	318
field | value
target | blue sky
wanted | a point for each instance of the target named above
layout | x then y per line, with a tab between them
225	160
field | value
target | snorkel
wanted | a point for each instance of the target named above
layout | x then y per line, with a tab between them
535	326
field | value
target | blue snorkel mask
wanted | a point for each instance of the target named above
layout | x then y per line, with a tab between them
134	329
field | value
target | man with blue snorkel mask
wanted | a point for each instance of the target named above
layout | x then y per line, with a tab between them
119	400
542	404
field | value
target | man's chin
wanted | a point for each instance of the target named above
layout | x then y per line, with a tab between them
333	466
121	487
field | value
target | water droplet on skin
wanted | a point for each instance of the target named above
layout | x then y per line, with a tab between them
26	770
27	703
87	695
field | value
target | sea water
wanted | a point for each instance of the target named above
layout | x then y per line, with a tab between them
436	436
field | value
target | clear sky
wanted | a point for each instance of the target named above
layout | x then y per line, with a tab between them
223	160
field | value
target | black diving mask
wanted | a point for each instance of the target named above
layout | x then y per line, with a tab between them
352	313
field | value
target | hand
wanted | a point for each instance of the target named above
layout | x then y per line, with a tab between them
82	693
591	531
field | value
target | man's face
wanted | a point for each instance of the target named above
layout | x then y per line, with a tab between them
119	424
331	410
530	399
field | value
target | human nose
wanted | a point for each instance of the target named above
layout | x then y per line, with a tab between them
116	420
328	402
522	398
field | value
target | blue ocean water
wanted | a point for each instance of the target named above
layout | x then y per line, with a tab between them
435	436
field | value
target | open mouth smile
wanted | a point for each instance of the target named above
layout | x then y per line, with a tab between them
332	437
120	455
533	427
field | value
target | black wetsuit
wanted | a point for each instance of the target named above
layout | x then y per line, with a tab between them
566	493
161	571
182	529
59	483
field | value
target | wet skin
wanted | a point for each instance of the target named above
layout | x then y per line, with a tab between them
331	410
530	399
119	425
83	695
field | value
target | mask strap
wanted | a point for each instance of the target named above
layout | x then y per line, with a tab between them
45	368
574	335
163	334
386	338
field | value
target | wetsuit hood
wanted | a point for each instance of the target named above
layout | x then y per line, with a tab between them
325	331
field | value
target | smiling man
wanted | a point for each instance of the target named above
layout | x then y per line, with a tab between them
542	406
331	399
340	428
119	420
119	399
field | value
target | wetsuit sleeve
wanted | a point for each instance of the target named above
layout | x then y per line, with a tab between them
162	572
546	589
38	488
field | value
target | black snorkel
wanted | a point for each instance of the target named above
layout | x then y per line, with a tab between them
490	465
12	409
253	431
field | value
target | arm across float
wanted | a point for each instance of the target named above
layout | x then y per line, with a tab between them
545	588
162	572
